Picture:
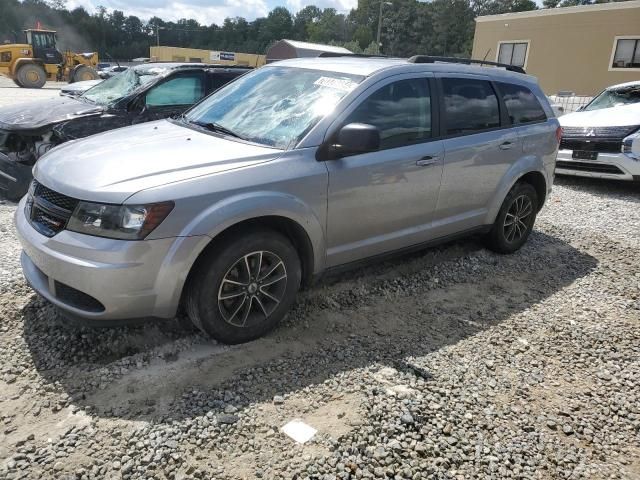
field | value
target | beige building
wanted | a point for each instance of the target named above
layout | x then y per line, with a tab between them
579	49
177	54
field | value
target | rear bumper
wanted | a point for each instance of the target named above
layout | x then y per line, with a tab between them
14	178
616	166
105	279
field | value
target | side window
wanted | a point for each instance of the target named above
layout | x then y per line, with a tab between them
183	90
522	105
219	80
400	110
470	106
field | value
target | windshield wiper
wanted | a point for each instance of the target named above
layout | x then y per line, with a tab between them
216	127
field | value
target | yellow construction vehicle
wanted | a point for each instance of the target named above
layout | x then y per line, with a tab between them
32	63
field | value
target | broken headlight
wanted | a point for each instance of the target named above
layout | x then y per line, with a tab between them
125	222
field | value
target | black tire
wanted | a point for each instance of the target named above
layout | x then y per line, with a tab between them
16	81
82	73
214	315
31	75
512	228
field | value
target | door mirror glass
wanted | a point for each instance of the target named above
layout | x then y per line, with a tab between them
357	138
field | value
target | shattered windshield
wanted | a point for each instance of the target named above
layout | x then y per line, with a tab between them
118	86
615	98
273	106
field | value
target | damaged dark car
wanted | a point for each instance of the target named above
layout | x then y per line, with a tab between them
141	94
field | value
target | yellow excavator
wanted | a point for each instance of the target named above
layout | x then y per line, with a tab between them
32	63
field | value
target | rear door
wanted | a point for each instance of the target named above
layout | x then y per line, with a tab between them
479	145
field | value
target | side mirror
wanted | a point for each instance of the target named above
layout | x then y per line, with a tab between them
357	138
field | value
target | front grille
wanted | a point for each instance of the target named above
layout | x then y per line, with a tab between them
592	145
58	199
48	211
595	139
589	167
77	299
611	132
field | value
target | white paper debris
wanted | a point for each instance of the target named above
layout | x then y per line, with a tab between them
299	431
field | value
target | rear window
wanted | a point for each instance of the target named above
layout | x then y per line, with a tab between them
522	104
470	106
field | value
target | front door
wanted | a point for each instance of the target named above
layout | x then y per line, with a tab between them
384	200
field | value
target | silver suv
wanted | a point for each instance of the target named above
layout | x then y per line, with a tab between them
292	170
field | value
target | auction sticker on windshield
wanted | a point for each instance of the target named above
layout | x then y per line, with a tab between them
343	84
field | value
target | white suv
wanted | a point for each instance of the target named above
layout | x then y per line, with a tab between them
603	138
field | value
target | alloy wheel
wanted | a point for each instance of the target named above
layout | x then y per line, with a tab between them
252	288
516	222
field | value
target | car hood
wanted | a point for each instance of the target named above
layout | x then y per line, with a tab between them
112	166
606	117
35	116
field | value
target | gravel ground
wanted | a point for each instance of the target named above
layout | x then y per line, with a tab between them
451	363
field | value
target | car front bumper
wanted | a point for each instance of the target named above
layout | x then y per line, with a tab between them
104	279
608	165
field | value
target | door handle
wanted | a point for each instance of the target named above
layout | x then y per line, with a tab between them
506	145
426	161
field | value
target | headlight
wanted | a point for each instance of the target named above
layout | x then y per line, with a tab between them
631	145
126	222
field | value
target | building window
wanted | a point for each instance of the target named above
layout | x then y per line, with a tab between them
626	53
513	53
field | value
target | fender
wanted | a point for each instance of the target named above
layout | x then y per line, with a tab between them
197	235
524	165
23	61
245	206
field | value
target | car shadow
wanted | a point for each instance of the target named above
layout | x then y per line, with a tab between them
385	314
600	187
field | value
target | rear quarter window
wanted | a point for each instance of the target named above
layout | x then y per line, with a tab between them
522	105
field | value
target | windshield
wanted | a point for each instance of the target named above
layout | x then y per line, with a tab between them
118	86
274	106
614	98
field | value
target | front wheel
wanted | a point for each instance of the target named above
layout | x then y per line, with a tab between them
515	219
244	286
83	73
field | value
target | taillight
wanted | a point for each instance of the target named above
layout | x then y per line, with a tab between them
559	134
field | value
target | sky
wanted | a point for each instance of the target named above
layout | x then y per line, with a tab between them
206	11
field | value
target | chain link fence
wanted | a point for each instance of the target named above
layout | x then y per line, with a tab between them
567	103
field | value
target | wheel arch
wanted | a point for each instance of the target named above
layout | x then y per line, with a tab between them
27	61
287	227
537	181
529	170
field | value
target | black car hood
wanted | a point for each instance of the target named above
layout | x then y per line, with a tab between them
35	116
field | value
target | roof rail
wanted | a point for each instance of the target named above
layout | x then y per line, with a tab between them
359	55
466	61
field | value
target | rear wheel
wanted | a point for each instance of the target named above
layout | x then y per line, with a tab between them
16	81
245	286
515	219
31	76
83	73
